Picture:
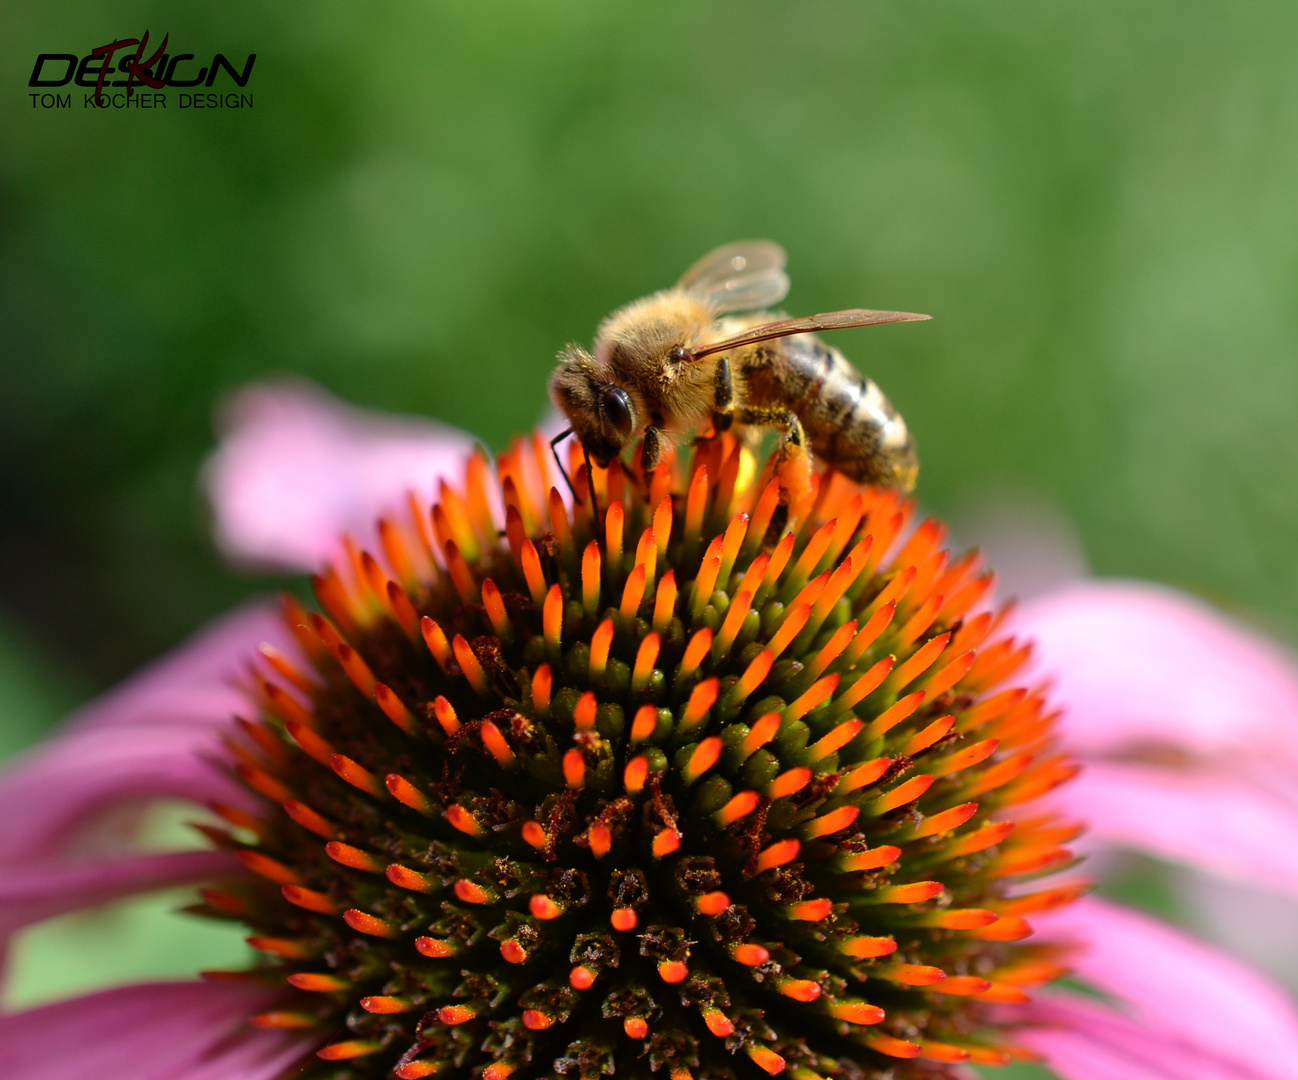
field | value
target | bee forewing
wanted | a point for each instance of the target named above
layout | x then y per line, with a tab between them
743	276
830	320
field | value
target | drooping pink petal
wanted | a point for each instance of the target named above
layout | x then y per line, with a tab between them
297	468
1139	664
197	682
156	735
1179	992
35	891
1206	818
1084	1040
159	1031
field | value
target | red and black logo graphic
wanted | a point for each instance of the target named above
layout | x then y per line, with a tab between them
142	71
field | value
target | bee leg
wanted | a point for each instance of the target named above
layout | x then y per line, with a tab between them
554	449
723	396
793	463
652	451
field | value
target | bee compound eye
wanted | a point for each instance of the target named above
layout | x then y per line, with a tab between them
616	407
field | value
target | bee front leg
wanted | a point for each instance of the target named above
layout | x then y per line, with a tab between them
723	396
652	451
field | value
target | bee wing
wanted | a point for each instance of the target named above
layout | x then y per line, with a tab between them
832	320
739	277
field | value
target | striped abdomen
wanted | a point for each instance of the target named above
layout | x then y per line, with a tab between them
849	422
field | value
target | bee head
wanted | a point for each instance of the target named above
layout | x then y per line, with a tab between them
602	414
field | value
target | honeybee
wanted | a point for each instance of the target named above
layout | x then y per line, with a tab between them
684	357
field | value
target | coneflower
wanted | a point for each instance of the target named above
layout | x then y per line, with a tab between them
689	781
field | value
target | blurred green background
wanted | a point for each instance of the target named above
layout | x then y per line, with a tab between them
1095	201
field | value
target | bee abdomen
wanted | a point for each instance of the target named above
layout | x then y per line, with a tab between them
849	421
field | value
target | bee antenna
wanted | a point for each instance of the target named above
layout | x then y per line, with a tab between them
590	472
590	482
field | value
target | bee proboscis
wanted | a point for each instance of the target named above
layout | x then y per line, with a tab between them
685	357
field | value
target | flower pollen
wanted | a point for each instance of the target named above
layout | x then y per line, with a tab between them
699	782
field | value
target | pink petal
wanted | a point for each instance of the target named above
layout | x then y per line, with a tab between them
1207	819
36	891
1137	664
1084	1040
1180	992
156	735
297	468
160	1031
197	682
56	793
